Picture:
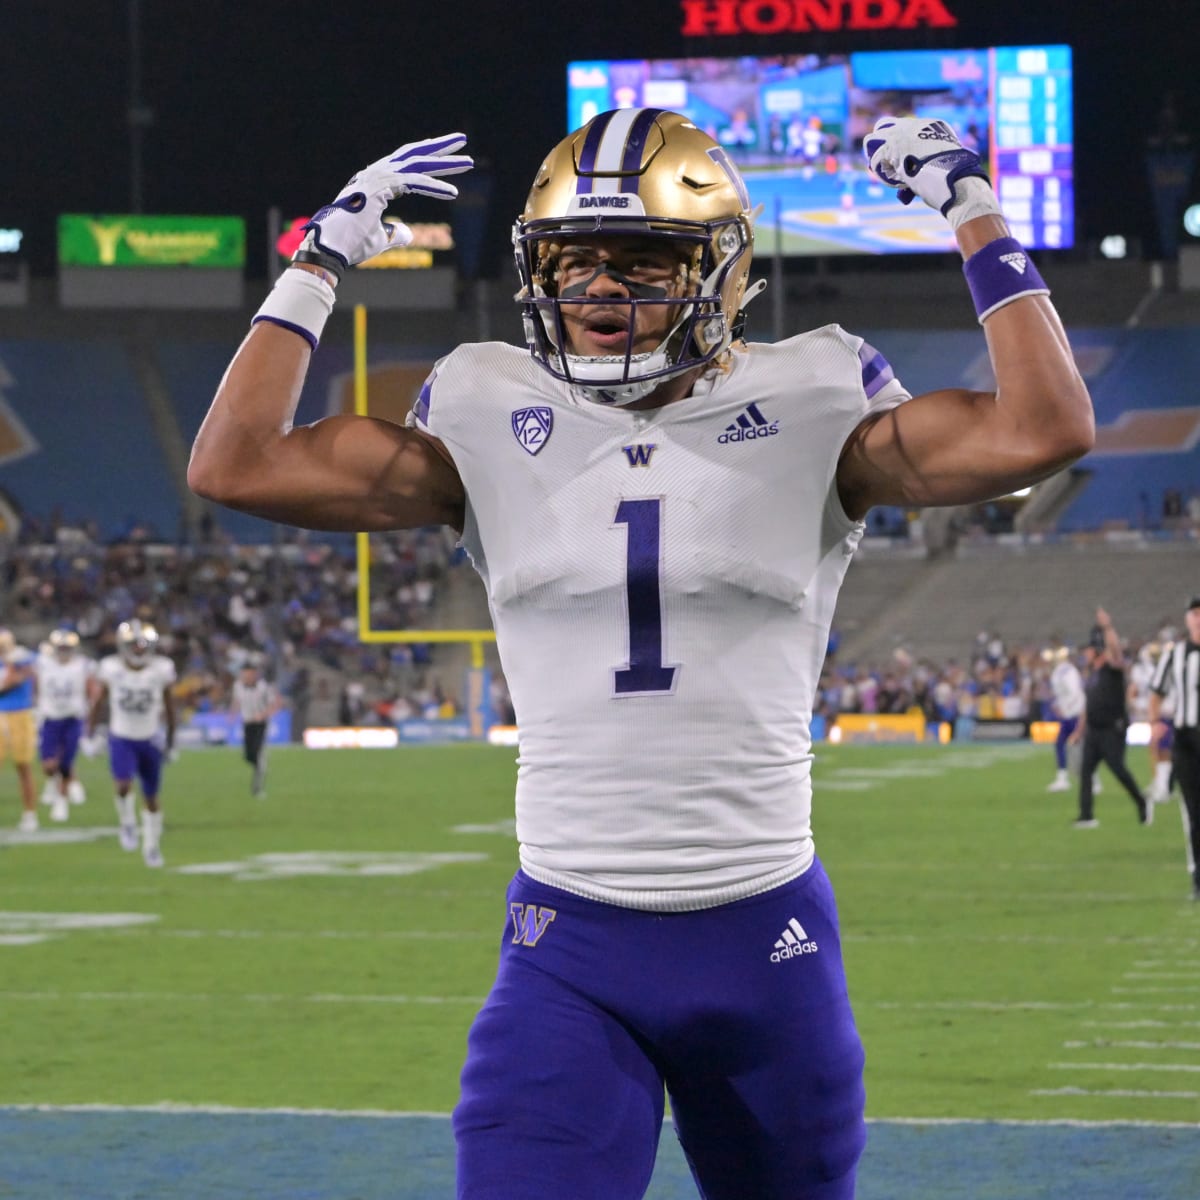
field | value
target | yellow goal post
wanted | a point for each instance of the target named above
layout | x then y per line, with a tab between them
474	638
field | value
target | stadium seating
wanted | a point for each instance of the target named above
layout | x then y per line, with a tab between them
1019	591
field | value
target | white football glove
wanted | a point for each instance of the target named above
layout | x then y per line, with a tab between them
352	228
90	744
925	158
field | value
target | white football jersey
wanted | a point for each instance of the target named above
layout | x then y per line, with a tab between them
1067	685
135	697
662	585
62	687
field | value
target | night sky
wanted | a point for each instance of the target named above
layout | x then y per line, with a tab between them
258	102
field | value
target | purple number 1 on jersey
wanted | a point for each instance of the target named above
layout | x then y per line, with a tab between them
646	673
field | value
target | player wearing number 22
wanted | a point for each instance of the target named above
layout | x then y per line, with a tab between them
662	516
137	683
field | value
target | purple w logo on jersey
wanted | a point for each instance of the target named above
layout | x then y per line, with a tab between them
531	427
530	921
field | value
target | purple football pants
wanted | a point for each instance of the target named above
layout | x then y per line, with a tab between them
128	757
59	741
740	1011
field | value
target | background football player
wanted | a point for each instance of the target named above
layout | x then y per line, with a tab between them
18	726
65	686
662	593
137	684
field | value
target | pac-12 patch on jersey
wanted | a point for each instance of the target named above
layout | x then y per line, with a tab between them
531	427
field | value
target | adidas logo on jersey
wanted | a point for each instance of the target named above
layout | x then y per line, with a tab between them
792	943
749	424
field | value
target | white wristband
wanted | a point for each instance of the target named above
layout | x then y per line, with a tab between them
973	197
300	301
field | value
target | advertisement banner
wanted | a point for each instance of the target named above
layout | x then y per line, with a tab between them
156	241
224	729
878	727
456	729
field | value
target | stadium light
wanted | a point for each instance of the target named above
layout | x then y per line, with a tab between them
1191	220
1113	246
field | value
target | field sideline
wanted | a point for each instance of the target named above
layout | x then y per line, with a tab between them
326	948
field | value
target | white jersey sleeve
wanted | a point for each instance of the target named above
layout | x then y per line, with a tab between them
662	585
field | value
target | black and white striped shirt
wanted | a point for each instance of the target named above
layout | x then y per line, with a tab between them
254	701
1178	676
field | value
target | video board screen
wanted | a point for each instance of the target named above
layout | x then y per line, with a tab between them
795	125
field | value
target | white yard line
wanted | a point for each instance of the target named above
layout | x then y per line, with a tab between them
227	997
1106	1043
1149	1024
1124	1094
1161	975
171	1108
1106	1066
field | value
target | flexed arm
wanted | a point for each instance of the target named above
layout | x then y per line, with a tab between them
956	446
344	472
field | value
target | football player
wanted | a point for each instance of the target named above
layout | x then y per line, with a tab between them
1066	689
137	682
65	688
18	727
662	516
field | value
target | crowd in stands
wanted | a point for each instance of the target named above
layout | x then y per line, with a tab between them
992	682
291	604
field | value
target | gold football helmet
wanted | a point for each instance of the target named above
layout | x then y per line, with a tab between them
638	172
136	642
64	643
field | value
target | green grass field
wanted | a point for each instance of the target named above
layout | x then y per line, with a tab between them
327	947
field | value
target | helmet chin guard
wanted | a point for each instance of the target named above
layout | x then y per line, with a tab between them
647	174
644	371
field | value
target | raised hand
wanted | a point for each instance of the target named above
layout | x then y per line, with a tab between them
925	158
352	228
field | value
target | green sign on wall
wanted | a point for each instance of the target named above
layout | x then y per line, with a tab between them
137	241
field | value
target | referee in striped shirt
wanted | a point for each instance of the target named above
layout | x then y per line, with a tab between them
1178	676
255	701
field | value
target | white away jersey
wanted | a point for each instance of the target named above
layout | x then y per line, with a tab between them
135	697
62	686
1067	685
662	585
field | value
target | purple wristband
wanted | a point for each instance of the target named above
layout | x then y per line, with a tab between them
1000	273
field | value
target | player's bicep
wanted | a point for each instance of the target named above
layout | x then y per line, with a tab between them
952	446
357	473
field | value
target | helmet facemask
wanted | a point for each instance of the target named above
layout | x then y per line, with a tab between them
697	332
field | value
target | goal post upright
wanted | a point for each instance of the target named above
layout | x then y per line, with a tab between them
474	638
